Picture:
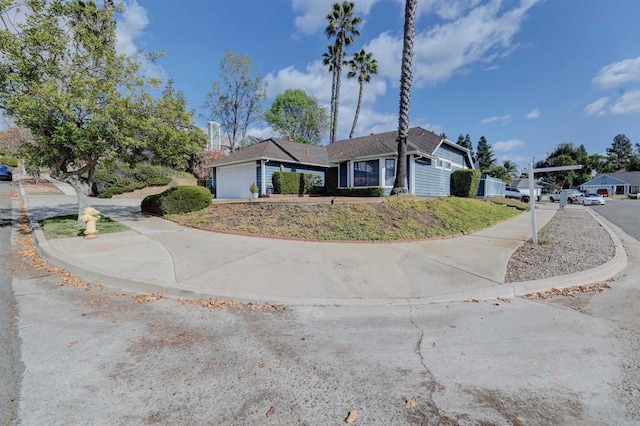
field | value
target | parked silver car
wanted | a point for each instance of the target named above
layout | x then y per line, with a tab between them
574	196
513	192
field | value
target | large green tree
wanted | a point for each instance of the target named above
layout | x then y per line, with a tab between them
363	65
485	155
400	185
621	149
343	25
61	78
298	117
169	137
465	141
236	99
510	167
500	172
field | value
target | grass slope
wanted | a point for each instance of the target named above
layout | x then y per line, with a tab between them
393	219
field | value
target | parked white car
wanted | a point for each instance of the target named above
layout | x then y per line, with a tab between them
593	199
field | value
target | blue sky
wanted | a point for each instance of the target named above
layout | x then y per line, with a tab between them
526	74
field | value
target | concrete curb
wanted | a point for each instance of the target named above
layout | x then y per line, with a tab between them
598	274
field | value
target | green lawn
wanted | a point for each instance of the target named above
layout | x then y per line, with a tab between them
389	220
66	226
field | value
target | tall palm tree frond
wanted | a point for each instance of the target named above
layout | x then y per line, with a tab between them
364	66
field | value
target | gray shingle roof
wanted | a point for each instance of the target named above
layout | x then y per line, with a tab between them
632	178
277	150
419	140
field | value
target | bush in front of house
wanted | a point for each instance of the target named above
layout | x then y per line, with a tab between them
296	183
177	200
465	183
119	178
9	161
373	191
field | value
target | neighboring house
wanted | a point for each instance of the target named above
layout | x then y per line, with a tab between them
368	161
232	175
620	183
539	187
371	161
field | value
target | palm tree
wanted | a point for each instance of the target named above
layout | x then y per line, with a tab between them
399	186
329	58
343	26
364	66
511	167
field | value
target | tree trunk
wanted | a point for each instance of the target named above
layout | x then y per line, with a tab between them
82	191
333	106
400	186
355	118
336	101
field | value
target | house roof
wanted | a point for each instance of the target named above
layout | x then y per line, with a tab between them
277	150
631	178
419	141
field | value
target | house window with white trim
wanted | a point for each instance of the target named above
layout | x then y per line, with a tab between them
389	171
366	173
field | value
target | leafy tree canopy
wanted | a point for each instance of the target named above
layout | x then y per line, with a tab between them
62	79
621	149
499	172
236	99
298	117
485	155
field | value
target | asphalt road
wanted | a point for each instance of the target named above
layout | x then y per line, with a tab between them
95	356
623	213
10	364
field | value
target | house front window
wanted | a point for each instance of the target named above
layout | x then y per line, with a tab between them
389	172
366	173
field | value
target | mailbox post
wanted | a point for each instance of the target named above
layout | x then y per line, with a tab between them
532	202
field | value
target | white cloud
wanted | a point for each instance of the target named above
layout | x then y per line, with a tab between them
131	25
628	103
311	14
510	145
446	9
502	119
315	80
534	113
618	73
482	35
596	107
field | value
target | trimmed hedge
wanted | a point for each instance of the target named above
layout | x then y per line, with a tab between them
177	200
9	161
373	191
465	183
295	183
121	178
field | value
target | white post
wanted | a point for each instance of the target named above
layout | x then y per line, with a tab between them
532	205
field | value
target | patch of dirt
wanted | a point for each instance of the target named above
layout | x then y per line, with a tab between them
44	187
548	408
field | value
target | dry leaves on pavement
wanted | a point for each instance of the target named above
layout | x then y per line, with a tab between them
213	304
353	415
144	297
569	291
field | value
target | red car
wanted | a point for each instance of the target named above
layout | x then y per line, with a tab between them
603	192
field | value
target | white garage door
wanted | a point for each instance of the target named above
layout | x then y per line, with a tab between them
234	181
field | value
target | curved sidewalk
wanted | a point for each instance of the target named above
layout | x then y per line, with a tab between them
156	255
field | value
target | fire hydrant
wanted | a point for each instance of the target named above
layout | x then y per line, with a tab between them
90	216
